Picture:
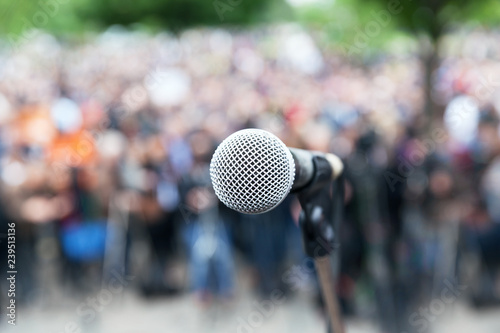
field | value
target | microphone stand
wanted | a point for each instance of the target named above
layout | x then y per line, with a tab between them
322	202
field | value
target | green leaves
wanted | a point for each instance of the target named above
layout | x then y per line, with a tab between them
61	16
352	25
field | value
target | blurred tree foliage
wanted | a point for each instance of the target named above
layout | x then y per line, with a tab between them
174	14
61	16
434	17
341	22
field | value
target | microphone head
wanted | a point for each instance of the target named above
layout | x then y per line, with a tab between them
252	171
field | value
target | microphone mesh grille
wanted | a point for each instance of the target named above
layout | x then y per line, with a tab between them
252	171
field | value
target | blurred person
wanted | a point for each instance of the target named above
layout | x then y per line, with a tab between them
267	235
160	199
482	231
425	222
211	263
373	229
83	230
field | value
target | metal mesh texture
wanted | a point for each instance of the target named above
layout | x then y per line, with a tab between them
252	171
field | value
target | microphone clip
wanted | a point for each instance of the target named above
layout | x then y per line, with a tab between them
322	202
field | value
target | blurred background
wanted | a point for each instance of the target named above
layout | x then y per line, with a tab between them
111	110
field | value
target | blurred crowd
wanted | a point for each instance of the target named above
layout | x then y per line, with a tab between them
105	144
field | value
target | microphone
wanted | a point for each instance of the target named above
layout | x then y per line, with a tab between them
253	171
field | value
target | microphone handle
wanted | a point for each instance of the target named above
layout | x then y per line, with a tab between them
304	166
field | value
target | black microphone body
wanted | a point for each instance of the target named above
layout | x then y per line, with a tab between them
305	168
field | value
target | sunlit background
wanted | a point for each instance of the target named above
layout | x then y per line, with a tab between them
111	110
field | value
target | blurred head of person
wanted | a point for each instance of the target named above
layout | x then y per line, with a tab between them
202	146
488	134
